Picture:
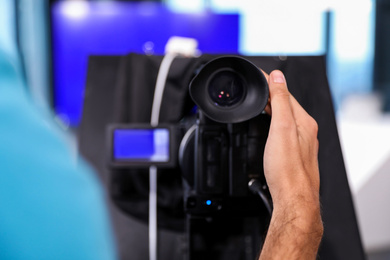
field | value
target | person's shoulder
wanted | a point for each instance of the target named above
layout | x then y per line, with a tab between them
52	203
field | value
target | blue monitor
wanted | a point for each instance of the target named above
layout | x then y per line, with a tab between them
83	28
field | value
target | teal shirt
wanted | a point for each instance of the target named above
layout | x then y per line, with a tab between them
51	205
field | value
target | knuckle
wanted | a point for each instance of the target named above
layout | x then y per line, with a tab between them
281	92
313	125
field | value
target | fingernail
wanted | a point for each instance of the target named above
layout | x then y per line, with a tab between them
278	77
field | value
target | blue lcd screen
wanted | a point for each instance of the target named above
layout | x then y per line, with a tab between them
141	145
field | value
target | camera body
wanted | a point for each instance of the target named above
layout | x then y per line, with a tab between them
224	151
220	150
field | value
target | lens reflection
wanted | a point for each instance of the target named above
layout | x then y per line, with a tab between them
226	88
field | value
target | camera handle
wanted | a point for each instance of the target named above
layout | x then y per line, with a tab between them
257	188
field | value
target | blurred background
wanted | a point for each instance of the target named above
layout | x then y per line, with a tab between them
55	39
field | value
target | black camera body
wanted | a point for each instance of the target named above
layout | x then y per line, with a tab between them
224	151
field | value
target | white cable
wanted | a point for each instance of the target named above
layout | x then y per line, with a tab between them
153	213
158	95
160	85
174	47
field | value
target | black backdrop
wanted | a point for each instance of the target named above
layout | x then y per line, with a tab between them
119	89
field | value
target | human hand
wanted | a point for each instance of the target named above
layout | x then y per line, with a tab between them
292	174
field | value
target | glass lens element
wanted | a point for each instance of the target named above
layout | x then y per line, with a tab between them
226	88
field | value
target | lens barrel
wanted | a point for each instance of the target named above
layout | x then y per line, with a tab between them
230	89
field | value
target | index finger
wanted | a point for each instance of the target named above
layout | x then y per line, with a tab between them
267	108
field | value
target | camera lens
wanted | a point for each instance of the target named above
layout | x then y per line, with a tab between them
226	88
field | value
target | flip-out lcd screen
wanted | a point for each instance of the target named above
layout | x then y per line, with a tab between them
143	145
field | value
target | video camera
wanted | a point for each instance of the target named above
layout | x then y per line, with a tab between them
219	150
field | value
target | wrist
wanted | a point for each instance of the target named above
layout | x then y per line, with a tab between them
294	233
303	218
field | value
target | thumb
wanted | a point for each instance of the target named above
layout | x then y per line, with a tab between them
279	97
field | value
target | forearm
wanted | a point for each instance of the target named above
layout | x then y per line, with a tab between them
294	233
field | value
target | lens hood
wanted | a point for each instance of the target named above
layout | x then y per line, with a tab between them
230	89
